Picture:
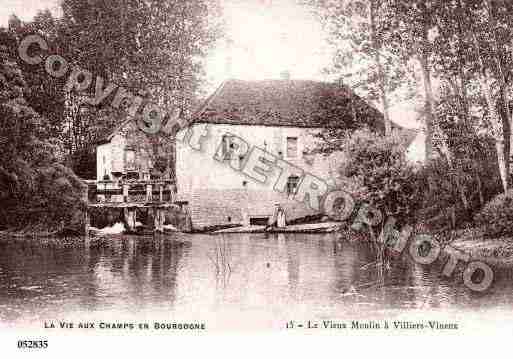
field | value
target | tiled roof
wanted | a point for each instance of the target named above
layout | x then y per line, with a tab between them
298	103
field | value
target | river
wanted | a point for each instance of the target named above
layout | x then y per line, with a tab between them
226	281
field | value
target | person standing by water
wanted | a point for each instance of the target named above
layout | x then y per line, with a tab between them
282	222
278	219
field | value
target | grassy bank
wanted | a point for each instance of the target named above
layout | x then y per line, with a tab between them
496	251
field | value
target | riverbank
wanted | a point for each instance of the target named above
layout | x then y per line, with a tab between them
34	232
497	252
494	251
324	227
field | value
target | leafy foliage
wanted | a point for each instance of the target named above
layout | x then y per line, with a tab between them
34	187
497	215
463	45
154	49
379	165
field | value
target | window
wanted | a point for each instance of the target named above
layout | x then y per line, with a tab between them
132	176
130	159
291	147
308	157
227	148
292	184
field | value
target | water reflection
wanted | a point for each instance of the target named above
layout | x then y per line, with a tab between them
130	274
274	275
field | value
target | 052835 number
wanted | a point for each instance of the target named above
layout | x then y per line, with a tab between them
32	344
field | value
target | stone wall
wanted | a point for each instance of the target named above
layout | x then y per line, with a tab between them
211	207
197	169
219	194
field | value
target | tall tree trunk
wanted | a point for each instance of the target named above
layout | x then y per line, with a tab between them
379	65
498	132
461	64
430	118
495	118
505	115
423	55
497	125
479	188
498	122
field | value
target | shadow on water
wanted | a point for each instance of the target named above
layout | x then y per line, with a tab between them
122	274
271	273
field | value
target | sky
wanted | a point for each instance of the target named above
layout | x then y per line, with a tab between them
25	9
267	38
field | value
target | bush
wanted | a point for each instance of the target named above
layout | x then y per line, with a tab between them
388	180
465	184
35	190
497	215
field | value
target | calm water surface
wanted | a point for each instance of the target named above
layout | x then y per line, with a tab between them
225	281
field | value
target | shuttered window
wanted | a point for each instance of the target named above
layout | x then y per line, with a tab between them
227	147
291	147
130	159
292	184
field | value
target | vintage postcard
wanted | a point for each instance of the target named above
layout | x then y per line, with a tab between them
177	169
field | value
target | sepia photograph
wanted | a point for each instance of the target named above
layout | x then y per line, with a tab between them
176	169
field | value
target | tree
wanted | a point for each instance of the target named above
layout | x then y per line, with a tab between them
462	45
157	53
381	74
364	58
35	190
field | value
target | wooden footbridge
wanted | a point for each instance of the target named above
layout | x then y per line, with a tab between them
154	196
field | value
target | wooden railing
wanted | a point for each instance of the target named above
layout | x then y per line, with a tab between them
154	196
131	191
